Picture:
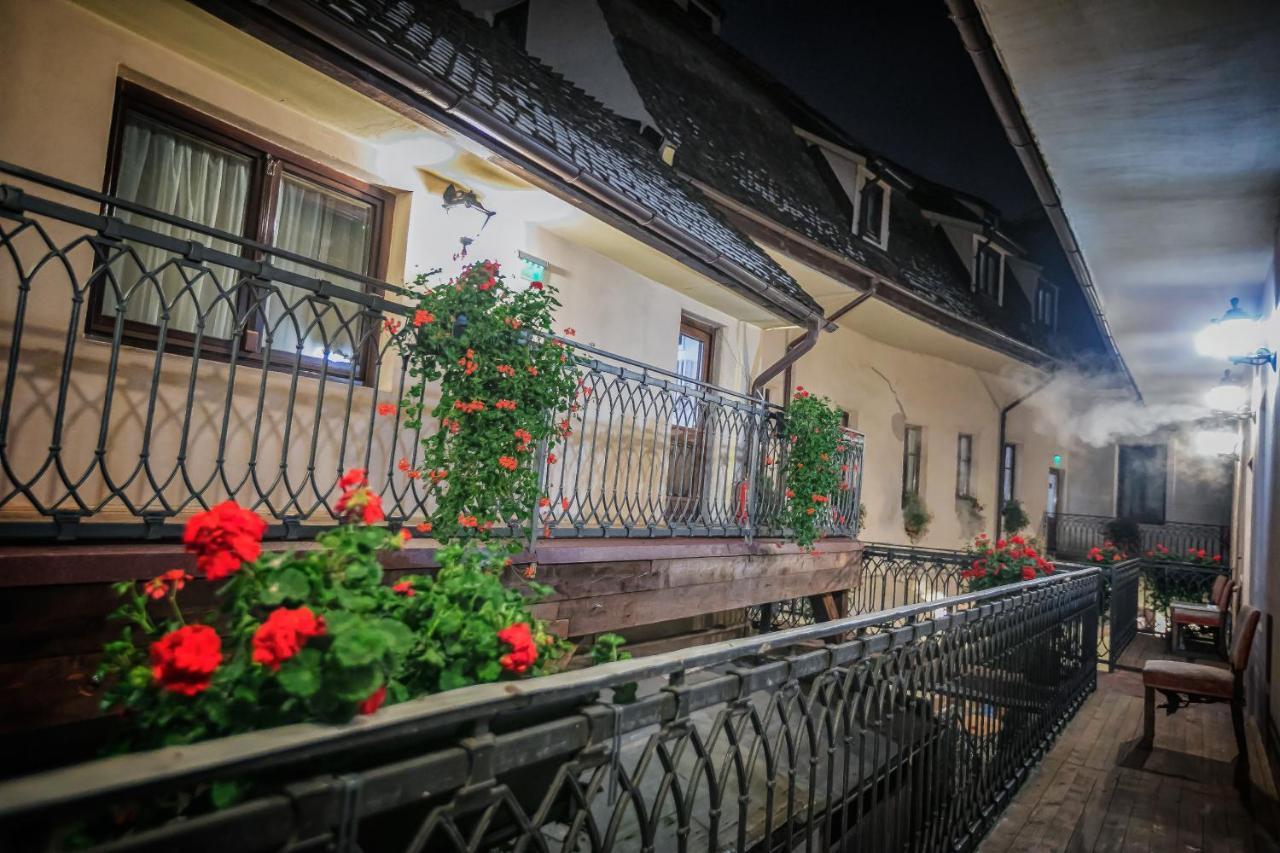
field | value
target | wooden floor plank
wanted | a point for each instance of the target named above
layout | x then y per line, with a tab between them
1095	791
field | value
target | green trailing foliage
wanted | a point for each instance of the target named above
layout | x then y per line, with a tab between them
915	517
507	388
814	472
1013	517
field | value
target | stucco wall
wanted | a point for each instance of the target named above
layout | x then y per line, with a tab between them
58	121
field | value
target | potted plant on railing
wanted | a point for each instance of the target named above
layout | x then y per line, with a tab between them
311	635
1010	561
814	471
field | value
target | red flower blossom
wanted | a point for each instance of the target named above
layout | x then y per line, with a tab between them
424	527
544	501
284	634
421	318
386	409
505	405
523	654
551	458
469	408
404	588
506	370
467	520
373	701
358	500
508	462
403	464
535	285
183	661
570	332
224	538
1028	573
790	493
392	326
161	585
533	371
514	322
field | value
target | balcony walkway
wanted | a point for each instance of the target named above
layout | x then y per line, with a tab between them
1094	792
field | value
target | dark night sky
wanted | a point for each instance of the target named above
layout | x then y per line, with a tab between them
895	75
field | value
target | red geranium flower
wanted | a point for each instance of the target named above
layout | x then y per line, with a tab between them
183	661
508	462
224	538
421	318
160	585
1028	573
523	650
404	588
373	701
284	634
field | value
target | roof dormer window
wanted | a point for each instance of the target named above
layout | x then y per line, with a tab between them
872	212
1047	305
988	266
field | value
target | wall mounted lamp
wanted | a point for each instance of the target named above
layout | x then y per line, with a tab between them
476	217
1238	337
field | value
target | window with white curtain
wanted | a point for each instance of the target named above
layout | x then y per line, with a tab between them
171	159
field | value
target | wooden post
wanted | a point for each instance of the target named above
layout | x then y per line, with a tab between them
1148	720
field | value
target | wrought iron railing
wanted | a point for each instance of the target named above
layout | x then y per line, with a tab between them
907	729
156	366
1163	583
1073	535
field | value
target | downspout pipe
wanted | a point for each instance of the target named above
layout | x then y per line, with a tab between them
800	346
1004	423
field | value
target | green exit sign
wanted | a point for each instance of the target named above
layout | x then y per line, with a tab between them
1057	459
533	269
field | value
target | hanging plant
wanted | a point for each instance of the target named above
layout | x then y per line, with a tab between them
915	517
506	389
814	472
1013	517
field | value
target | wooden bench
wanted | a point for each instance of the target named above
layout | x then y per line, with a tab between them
1204	683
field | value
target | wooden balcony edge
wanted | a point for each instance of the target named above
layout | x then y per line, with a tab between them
55	564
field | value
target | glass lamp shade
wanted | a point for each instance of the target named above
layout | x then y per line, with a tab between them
1236	334
1227	397
1216	442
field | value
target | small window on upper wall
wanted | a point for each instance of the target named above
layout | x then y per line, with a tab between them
871	211
912	456
1047	305
986	271
964	466
1008	473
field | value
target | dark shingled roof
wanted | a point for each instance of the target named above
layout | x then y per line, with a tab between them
446	43
734	133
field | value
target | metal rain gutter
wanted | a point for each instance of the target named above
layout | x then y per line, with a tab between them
456	103
1004	422
982	51
799	347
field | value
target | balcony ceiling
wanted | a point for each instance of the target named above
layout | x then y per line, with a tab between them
1160	124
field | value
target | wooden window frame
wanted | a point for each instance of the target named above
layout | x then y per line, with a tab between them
909	488
1009	466
966	460
872	231
270	163
707	334
1048	318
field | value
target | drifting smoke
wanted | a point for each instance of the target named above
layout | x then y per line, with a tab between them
1093	410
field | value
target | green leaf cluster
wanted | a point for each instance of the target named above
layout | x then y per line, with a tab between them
815	445
486	342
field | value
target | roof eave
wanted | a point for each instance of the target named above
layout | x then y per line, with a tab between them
446	105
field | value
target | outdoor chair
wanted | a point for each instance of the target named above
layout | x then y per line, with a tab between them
1212	616
1199	682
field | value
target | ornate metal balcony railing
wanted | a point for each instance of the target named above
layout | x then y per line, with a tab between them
898	575
907	729
155	366
1072	535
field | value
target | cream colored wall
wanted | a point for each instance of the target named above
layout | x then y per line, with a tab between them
885	388
58	114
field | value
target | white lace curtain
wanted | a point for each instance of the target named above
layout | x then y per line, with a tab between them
174	172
